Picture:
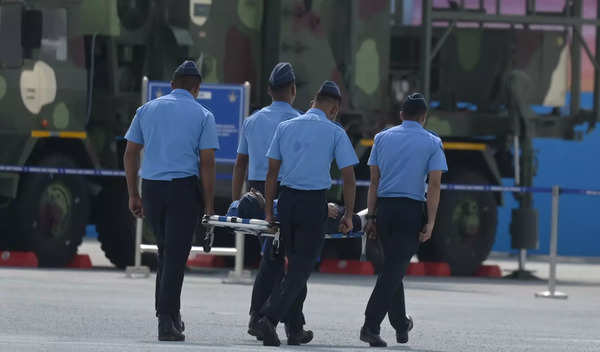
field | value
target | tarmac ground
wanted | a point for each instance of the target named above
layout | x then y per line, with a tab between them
102	310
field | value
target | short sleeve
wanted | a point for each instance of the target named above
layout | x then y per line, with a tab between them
373	156
208	137
437	160
274	151
134	133
344	152
243	146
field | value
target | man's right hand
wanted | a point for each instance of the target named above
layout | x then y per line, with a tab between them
425	233
371	230
135	206
269	216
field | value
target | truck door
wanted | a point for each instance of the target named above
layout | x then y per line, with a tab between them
11	60
60	57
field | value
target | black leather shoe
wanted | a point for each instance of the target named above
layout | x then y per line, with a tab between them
253	327
402	335
373	339
410	323
167	330
266	329
298	337
179	324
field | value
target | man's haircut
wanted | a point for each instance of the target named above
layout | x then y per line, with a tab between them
327	98
189	83
414	106
282	91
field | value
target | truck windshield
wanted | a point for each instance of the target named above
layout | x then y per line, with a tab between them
54	35
11	54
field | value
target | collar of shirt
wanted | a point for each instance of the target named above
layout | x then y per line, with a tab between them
411	124
318	112
281	105
182	92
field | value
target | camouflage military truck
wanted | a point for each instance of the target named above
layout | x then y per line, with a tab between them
70	74
482	80
70	79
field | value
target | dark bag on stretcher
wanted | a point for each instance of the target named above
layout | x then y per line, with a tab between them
250	206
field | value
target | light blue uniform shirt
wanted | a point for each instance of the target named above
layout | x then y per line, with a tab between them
173	129
257	134
405	155
306	146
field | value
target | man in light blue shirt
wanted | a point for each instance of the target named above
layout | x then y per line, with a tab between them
179	139
300	155
257	134
258	130
401	160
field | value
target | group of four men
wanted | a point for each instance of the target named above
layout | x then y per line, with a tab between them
288	155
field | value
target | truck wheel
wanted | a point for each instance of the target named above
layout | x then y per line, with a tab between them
116	227
51	212
466	226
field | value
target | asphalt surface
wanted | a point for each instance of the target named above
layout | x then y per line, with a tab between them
102	310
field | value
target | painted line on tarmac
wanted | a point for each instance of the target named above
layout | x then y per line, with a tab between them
123	346
50	343
566	339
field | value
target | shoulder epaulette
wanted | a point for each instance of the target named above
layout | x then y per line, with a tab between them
433	133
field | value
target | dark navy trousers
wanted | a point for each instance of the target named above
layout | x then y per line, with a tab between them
302	215
172	209
399	221
270	273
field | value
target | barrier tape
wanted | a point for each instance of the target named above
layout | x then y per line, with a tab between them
360	183
82	172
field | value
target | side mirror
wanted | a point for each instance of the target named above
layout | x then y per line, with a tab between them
31	29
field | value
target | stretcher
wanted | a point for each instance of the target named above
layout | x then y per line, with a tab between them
261	228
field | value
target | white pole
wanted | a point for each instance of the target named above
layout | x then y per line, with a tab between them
239	254
138	269
239	275
552	293
517	168
139	228
516	158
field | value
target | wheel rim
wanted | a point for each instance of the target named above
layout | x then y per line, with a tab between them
56	207
466	220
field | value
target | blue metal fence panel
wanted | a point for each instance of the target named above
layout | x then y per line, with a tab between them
226	102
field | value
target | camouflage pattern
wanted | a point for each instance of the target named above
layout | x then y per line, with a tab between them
46	92
49	92
312	35
228	40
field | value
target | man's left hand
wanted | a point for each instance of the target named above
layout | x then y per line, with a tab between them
332	210
346	224
135	206
425	233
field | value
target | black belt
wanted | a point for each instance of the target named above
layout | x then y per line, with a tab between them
400	200
175	180
310	191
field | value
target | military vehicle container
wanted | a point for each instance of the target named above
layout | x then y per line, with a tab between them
71	72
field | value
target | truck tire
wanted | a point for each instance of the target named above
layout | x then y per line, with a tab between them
51	212
466	225
116	227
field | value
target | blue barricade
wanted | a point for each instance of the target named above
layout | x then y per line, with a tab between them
360	183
